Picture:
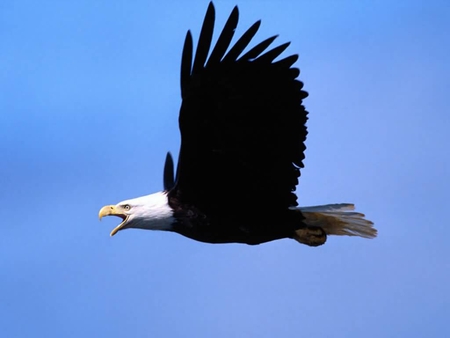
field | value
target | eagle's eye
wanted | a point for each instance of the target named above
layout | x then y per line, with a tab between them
127	207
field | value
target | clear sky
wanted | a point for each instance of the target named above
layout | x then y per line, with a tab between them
89	99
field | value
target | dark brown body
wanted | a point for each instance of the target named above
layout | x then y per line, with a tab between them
229	227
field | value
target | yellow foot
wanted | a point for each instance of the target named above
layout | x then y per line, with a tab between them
312	236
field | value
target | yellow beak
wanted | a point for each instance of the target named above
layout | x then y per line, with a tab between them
112	210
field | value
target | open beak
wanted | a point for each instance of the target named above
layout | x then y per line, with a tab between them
112	210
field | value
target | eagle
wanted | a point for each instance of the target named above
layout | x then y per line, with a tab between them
243	132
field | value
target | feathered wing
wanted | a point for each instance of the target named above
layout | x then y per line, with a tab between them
242	123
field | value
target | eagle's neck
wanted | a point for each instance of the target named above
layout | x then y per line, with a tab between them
153	212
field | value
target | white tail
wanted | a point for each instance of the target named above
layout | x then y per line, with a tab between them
338	219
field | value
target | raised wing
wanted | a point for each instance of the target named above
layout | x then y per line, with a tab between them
242	123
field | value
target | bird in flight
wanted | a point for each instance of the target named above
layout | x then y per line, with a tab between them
243	132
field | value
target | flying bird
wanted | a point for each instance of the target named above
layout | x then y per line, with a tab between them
243	135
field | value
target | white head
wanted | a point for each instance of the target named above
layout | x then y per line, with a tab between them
151	212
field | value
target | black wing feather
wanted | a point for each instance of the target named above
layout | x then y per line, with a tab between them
258	49
225	38
186	63
273	53
242	43
204	42
288	62
168	179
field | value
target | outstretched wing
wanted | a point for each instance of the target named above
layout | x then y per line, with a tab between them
242	123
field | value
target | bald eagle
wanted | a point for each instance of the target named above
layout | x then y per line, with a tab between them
243	130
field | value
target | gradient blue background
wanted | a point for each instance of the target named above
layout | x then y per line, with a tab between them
89	98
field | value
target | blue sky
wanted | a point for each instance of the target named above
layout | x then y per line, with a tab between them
89	98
